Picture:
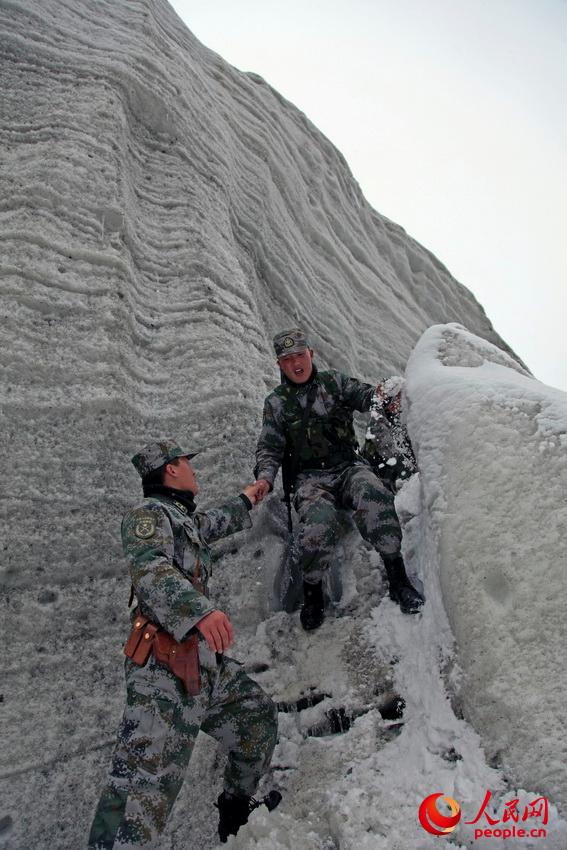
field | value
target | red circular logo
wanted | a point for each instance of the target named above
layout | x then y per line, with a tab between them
431	818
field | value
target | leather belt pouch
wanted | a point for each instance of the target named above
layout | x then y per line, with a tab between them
138	647
181	658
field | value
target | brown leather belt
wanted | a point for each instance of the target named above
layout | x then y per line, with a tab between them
182	659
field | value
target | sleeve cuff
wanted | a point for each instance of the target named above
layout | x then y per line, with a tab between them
267	475
190	622
246	501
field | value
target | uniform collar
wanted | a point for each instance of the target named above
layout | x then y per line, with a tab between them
184	499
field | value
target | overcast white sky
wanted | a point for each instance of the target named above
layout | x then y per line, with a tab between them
452	115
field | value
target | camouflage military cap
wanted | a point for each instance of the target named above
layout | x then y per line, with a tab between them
293	341
157	454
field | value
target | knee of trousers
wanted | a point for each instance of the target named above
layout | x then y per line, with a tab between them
372	492
375	501
258	714
264	731
319	514
364	485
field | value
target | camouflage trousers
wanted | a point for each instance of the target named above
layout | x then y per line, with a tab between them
156	738
318	497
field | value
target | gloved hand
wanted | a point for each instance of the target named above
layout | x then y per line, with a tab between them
392	473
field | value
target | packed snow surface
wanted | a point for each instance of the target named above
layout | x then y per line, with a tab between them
161	216
492	450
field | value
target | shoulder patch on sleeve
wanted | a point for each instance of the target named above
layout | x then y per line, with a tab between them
145	525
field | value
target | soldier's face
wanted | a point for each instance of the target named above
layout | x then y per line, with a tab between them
181	476
297	367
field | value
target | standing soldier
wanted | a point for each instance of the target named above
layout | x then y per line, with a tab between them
308	429
178	679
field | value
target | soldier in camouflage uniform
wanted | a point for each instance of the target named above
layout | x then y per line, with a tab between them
167	542
330	473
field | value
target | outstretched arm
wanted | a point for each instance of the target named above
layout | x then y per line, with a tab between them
387	446
226	519
356	394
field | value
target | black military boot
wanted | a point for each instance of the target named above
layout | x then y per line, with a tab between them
234	810
401	589
312	613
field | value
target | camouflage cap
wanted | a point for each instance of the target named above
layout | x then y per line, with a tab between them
293	341
157	454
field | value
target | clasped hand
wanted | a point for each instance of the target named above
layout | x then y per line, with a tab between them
256	492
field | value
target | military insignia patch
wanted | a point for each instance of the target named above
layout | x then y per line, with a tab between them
180	506
288	342
145	527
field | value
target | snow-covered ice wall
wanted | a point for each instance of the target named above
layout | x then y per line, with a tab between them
491	444
161	215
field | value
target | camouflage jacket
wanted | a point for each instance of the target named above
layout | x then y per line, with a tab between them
329	436
166	546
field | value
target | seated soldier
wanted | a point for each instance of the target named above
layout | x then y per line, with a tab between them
308	427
